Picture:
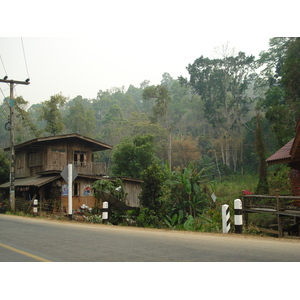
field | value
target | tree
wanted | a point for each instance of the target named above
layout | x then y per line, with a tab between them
25	125
269	84
291	78
4	167
189	187
81	119
184	151
154	199
51	114
153	179
262	187
132	156
222	85
161	95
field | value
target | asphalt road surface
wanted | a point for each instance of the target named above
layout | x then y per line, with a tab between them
32	239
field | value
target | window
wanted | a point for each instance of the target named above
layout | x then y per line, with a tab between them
35	159
76	189
80	158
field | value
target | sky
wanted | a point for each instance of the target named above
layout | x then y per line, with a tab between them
78	49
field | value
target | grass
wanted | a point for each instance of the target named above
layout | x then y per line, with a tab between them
231	188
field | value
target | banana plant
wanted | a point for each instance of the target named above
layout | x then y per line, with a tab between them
174	221
190	185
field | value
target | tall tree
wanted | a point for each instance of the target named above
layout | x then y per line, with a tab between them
262	186
50	112
272	100
291	78
222	84
161	95
81	119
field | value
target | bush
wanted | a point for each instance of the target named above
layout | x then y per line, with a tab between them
94	219
148	218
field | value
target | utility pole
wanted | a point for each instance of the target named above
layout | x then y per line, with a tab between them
12	83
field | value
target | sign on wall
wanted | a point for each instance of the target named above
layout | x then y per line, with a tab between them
87	191
64	190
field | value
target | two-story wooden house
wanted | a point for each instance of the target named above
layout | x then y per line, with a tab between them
39	163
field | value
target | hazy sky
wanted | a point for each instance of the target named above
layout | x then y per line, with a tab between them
79	49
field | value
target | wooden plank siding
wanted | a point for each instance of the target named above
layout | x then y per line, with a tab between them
55	157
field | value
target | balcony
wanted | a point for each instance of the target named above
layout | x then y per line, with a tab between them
90	168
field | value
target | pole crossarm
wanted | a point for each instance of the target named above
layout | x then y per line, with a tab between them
14	81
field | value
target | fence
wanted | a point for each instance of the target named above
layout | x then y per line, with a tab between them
283	207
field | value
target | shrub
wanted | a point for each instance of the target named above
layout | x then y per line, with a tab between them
94	219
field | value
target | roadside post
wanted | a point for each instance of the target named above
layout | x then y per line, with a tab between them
35	206
69	174
105	212
70	210
238	216
225	218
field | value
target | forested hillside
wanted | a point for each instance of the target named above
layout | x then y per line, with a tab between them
209	116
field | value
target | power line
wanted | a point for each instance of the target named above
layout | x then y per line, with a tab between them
3	65
2	94
25	58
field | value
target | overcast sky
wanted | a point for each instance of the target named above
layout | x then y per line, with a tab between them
78	49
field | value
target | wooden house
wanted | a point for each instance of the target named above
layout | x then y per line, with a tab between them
40	162
290	154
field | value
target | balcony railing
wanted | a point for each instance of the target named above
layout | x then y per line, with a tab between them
90	168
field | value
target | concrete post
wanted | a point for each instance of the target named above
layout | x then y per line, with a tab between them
70	191
105	212
225	218
35	205
238	216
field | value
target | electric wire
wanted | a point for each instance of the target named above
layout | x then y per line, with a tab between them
3	65
25	58
2	94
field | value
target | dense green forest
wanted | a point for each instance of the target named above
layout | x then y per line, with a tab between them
184	129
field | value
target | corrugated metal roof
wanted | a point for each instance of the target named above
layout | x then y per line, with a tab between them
282	155
31	181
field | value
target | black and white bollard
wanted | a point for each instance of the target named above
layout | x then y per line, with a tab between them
225	218
35	206
238	216
105	212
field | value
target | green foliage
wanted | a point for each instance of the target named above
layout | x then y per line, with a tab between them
4	167
80	118
279	178
217	79
175	221
273	78
262	187
161	95
189	188
148	218
153	179
291	78
51	114
222	84
108	187
132	156
96	219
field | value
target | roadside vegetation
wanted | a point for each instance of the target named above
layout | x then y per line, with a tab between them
186	138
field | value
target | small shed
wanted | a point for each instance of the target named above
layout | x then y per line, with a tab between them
290	154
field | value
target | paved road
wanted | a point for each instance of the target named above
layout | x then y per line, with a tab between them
29	239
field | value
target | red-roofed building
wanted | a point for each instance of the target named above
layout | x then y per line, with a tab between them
290	154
